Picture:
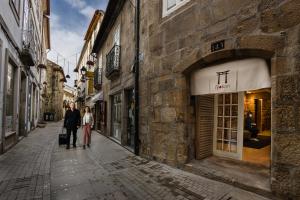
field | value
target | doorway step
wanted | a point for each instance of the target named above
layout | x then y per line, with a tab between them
247	176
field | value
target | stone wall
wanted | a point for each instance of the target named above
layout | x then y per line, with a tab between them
53	100
177	44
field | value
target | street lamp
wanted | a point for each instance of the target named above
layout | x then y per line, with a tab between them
83	70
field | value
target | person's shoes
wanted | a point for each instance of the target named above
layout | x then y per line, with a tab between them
68	147
83	146
74	145
88	145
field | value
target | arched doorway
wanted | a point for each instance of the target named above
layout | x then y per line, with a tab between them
234	110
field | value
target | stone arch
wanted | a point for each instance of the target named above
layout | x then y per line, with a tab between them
228	55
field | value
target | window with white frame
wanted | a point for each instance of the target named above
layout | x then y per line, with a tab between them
16	4
171	5
117	36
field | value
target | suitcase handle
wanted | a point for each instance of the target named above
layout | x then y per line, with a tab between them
62	130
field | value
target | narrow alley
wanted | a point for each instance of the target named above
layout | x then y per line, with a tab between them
37	168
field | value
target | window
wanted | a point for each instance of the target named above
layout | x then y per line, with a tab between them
171	5
16	3
117	36
9	104
15	6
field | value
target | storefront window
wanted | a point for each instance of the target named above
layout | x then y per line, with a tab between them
116	116
9	103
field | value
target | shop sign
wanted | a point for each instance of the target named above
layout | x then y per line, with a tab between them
234	76
224	81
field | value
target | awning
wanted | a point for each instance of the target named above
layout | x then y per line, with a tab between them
97	97
235	76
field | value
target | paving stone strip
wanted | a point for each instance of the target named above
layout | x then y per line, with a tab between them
25	169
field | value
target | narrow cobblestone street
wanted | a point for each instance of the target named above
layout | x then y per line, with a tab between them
37	168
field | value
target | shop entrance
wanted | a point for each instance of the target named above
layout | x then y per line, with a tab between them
130	118
233	121
116	116
240	121
257	127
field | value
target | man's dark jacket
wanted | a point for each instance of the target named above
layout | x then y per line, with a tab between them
72	119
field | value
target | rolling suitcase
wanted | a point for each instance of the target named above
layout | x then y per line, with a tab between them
62	137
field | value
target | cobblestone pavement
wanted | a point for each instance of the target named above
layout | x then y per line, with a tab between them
105	171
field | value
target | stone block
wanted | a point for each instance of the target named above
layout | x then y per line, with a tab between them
245	26
285	16
167	84
171	47
169	62
173	98
205	18
154	87
281	65
182	153
155	44
181	83
157	100
280	181
296	182
286	149
287	89
168	114
171	152
222	9
157	115
264	42
283	119
248	11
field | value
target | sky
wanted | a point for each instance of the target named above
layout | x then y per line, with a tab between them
69	20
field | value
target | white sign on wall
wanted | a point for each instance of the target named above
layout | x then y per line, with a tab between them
223	81
234	76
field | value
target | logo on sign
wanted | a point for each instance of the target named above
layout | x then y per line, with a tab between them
222	80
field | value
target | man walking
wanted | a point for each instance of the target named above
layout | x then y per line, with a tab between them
72	123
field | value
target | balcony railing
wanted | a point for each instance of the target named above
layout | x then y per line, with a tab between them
28	53
113	62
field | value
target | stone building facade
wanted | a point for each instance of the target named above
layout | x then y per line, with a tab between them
86	65
53	92
115	51
69	96
179	40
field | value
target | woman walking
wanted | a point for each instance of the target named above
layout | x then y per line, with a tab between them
88	123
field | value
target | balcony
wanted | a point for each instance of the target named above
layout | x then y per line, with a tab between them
28	53
113	62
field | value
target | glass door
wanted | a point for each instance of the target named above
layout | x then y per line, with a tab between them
116	116
227	125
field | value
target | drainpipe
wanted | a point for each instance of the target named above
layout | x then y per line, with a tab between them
136	78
